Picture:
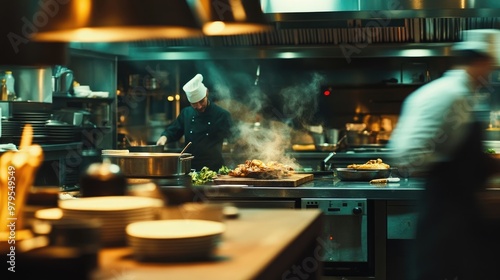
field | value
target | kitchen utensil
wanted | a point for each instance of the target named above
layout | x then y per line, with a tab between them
147	165
385	180
325	147
325	161
63	81
332	135
187	145
349	174
330	146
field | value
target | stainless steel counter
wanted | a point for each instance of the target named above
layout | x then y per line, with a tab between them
329	187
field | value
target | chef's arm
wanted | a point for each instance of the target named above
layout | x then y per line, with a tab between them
162	140
173	131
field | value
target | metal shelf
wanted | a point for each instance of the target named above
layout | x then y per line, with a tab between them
107	100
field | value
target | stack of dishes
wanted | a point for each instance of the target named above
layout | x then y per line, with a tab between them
10	129
174	240
36	120
61	132
114	213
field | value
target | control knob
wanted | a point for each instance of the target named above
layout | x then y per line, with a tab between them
357	210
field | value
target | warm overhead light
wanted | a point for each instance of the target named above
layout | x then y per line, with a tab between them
230	17
116	20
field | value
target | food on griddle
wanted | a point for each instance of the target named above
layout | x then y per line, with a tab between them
371	164
258	169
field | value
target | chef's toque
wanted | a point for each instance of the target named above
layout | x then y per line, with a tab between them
195	89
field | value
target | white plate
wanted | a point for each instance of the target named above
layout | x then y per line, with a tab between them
167	229
49	214
109	203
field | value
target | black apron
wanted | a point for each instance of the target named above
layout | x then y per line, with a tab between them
453	240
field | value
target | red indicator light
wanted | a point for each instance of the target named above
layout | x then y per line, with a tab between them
326	93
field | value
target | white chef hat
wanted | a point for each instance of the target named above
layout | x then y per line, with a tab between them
195	89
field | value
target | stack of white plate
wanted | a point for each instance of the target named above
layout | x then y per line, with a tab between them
174	240
113	212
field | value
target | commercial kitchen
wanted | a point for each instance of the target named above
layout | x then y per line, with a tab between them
318	85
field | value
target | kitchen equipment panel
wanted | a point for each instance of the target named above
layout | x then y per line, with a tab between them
345	241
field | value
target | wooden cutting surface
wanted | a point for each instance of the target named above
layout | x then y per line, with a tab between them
292	181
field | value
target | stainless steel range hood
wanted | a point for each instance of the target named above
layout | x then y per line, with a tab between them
335	28
296	10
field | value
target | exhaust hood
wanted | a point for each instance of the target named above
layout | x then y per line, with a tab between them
283	10
337	28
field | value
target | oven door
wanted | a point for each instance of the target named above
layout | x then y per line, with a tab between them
345	241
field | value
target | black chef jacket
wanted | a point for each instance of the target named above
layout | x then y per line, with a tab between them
206	131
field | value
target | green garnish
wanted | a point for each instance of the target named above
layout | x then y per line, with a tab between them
491	151
205	175
224	170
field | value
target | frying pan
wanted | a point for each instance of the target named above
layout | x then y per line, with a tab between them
350	174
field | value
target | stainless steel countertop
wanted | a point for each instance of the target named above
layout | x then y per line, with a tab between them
407	189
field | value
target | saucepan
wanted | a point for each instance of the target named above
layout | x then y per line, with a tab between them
329	146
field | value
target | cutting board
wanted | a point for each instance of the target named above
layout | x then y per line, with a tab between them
292	181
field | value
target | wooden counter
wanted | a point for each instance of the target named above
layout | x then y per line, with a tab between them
259	244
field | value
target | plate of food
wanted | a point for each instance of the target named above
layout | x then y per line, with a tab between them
372	169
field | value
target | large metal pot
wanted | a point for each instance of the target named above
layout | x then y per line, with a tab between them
147	165
147	149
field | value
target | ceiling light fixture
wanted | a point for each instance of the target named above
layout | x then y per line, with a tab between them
116	20
230	17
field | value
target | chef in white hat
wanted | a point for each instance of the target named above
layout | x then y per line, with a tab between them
204	124
438	137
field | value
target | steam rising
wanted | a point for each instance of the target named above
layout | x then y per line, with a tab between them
301	100
263	127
